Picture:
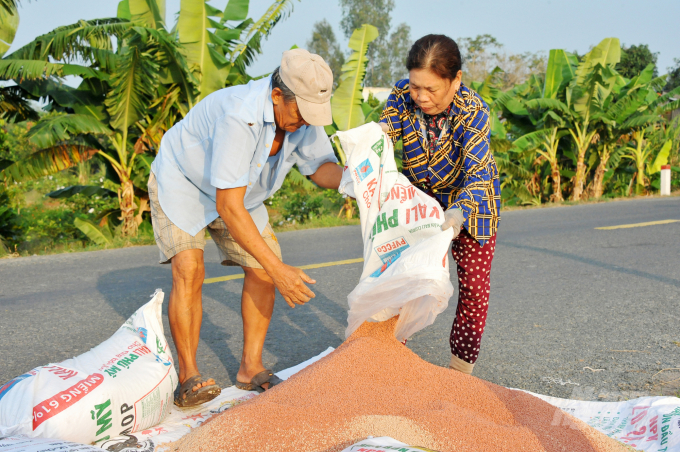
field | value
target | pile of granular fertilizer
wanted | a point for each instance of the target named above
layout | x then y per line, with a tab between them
372	385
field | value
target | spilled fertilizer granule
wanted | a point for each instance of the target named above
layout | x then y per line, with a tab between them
374	386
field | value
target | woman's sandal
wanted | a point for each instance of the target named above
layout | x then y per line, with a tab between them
266	376
187	397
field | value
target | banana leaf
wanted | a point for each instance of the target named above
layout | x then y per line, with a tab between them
236	10
661	158
46	162
51	130
296	178
92	231
150	13
4	163
86	190
194	36
371	114
35	69
558	73
348	97
9	22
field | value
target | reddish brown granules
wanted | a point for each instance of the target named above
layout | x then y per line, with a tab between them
374	386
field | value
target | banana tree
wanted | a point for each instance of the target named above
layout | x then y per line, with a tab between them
102	114
220	58
349	108
598	105
216	59
490	90
13	106
545	142
586	90
629	104
129	96
519	181
641	155
348	99
537	113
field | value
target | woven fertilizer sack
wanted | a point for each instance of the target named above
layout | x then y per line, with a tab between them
121	386
384	444
406	267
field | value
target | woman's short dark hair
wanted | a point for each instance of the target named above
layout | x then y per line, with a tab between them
277	82
438	53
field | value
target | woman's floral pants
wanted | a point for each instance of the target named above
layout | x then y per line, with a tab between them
474	283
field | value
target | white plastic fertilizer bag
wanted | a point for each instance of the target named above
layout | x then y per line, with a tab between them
121	386
383	444
406	267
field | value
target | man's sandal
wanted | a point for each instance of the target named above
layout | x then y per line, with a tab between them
266	376
185	396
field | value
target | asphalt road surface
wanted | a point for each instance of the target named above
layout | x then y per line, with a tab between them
575	311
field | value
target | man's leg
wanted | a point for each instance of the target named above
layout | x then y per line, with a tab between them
257	306
185	311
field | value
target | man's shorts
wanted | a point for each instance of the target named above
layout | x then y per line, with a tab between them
172	240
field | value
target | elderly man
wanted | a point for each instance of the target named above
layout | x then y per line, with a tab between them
214	170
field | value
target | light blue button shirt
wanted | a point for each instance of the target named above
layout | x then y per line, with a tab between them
224	142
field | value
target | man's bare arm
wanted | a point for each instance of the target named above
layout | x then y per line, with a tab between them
328	175
289	280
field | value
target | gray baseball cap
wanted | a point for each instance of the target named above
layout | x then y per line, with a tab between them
311	79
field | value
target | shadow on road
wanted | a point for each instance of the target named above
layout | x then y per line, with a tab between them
294	334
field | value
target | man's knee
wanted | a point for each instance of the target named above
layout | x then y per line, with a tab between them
188	266
258	275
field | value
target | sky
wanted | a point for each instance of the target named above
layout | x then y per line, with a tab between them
520	25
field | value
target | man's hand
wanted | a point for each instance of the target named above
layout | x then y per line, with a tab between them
347	184
289	280
291	284
453	218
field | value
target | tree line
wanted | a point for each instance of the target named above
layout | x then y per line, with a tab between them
566	126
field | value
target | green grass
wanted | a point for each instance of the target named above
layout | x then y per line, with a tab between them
326	221
142	239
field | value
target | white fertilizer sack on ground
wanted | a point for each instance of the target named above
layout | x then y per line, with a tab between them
123	385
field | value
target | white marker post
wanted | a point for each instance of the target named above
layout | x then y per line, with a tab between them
665	180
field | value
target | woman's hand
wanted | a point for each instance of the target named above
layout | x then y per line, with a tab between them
453	218
385	128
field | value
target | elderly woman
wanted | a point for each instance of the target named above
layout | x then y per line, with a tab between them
445	130
213	171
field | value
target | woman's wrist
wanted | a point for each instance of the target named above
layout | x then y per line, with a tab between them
453	218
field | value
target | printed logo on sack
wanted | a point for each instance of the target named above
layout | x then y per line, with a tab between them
383	222
363	170
125	441
4	389
373	447
388	253
142	333
66	398
102	414
378	146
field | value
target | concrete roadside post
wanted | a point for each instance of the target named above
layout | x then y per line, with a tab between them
665	180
